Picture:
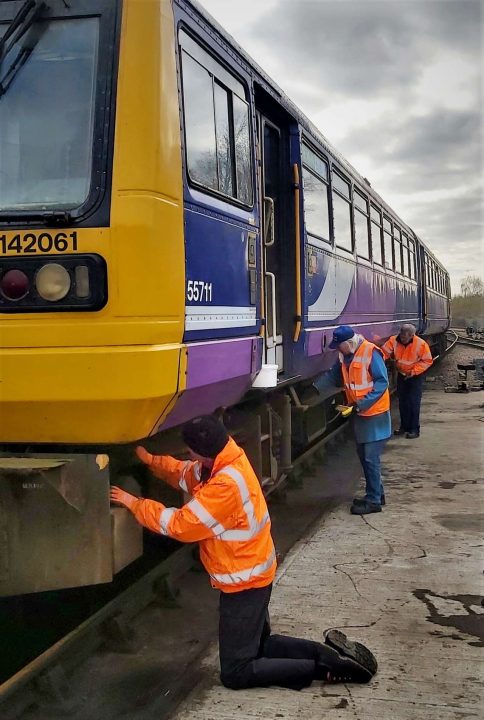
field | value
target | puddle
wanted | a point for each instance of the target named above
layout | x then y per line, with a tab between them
459	614
462	521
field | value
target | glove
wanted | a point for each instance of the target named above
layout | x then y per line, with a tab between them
122	497
144	455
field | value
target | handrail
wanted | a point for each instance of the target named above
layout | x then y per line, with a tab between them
297	330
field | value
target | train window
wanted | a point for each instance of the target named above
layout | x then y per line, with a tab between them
376	235
360	202
341	185
47	118
222	125
200	124
427	270
316	213
342	222
411	250
387	243
243	163
404	255
397	249
314	163
362	237
217	125
375	214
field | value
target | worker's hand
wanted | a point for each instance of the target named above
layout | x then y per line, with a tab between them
122	497
144	455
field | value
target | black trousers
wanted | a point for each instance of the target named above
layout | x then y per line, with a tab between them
251	657
409	399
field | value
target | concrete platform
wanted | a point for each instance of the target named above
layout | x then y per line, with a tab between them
407	581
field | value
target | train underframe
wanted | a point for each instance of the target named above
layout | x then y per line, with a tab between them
57	528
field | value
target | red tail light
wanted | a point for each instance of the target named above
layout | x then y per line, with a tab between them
14	285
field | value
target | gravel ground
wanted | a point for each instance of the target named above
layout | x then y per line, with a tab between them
445	371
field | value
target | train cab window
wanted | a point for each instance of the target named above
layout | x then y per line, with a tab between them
217	125
342	213
315	184
405	270
387	243
376	235
362	237
48	101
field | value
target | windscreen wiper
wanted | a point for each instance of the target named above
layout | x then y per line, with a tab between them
23	22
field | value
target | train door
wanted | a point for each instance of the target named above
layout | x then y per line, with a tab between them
272	153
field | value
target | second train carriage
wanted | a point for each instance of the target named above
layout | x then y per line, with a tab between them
170	223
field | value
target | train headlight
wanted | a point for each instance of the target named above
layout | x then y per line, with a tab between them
52	282
14	285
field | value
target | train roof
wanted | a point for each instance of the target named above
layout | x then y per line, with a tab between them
301	118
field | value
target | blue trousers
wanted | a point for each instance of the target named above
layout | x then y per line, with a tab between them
369	454
409	398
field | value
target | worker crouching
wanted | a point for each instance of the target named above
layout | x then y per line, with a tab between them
228	517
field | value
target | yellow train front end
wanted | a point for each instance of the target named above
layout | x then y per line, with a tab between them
92	275
91	223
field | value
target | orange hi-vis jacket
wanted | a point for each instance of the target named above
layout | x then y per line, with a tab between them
227	515
411	359
358	381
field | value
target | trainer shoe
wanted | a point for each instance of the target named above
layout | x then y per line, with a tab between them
412	435
351	649
361	500
400	431
365	508
341	669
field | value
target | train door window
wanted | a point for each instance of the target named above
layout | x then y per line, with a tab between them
427	270
387	243
397	249
362	236
217	125
315	184
376	235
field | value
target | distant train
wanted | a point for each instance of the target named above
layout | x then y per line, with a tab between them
172	228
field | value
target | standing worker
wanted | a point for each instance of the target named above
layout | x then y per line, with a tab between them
412	358
361	371
228	516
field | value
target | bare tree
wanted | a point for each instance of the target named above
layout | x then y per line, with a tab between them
472	285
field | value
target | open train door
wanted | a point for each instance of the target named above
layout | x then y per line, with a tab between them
277	229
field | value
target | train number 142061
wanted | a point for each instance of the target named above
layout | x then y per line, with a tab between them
30	243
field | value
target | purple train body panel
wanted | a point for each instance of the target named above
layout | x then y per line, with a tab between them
255	308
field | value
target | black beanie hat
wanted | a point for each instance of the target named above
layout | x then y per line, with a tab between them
205	435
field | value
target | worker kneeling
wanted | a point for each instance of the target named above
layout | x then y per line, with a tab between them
228	516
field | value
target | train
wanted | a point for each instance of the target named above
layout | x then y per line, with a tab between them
176	238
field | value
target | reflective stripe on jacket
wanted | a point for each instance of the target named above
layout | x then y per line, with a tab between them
358	381
411	359
227	515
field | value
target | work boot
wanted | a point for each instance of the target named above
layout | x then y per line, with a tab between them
365	508
361	500
400	431
352	649
412	435
332	666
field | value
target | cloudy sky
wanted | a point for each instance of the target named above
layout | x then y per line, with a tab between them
397	87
